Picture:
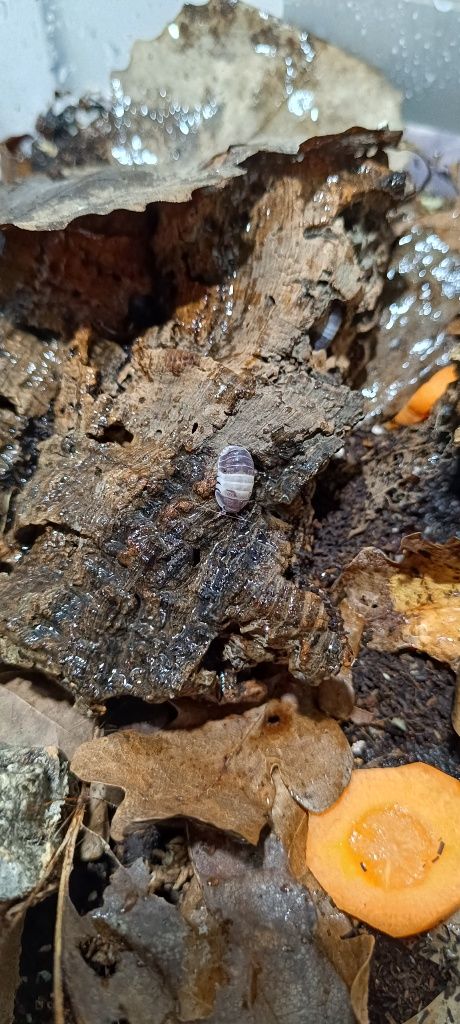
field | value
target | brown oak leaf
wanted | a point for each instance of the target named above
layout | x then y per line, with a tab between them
221	772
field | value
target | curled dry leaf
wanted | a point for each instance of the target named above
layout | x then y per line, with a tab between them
271	954
411	603
248	80
41	204
221	772
222	77
123	961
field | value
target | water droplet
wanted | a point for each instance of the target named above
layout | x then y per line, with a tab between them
443	6
266	49
300	102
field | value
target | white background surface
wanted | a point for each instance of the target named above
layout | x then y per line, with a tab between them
73	45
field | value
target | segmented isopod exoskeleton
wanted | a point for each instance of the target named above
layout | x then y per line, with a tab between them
235	478
331	327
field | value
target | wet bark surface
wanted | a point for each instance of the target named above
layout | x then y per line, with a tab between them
122	578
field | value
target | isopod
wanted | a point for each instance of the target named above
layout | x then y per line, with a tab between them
331	327
235	478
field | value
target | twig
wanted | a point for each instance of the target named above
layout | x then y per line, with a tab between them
71	839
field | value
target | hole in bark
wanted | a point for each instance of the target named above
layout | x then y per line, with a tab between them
88	882
149	310
27	535
154	310
114	433
273	720
329	486
195	427
132	711
5	403
43	683
196	556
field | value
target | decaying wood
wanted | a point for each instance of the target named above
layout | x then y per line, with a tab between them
130	582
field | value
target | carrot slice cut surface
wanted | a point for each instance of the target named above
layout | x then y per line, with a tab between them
420	404
388	851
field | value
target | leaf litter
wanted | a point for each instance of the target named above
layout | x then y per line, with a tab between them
30	711
221	772
241	943
242	323
414	602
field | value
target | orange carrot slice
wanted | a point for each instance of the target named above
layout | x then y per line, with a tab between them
388	851
422	401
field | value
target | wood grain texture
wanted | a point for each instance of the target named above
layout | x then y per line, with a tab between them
123	578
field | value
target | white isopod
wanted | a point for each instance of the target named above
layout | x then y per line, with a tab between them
235	478
331	327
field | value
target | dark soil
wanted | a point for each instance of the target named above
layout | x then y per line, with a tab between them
34	996
388	486
410	697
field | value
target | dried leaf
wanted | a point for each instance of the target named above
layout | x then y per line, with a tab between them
271	957
41	204
34	784
124	960
242	939
219	80
33	715
228	65
220	773
411	603
350	954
